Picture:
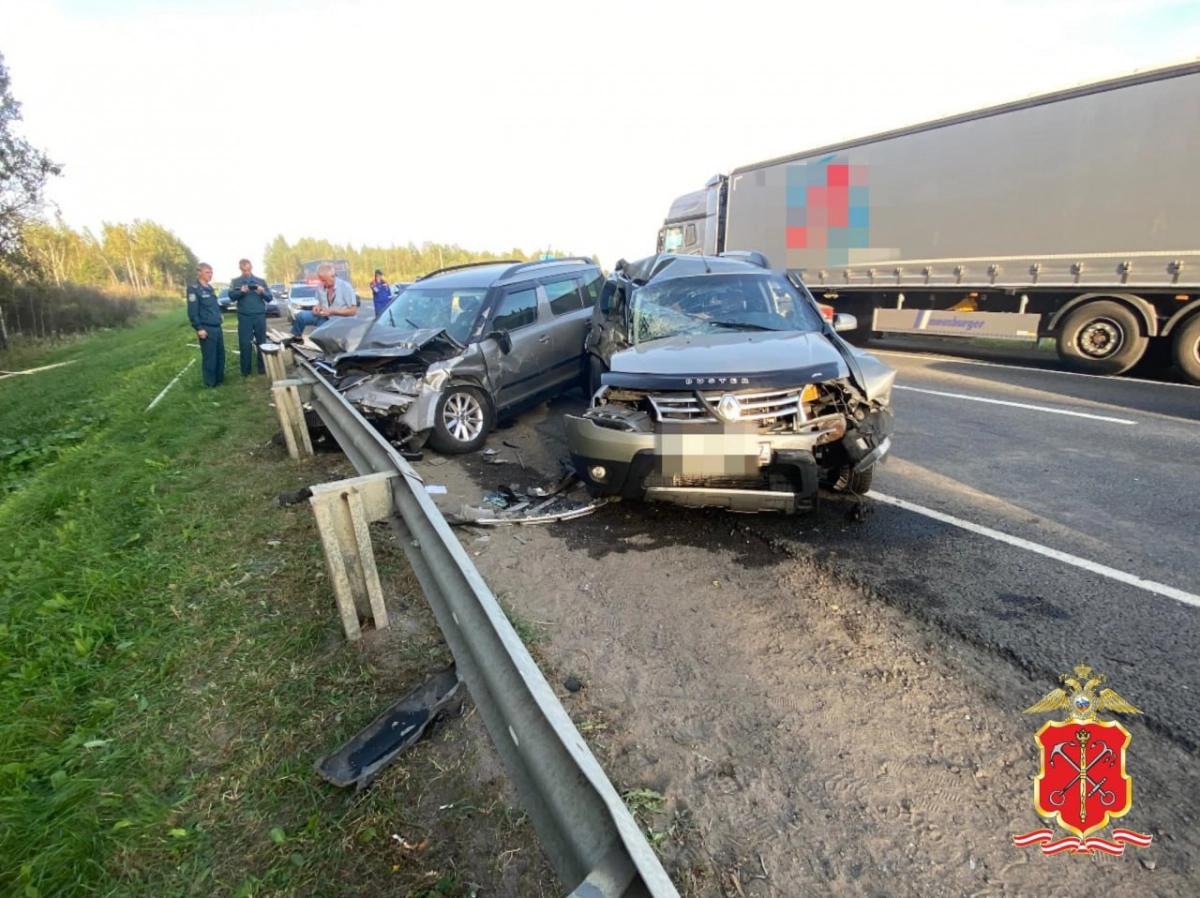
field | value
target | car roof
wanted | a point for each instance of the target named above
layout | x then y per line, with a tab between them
672	265
498	274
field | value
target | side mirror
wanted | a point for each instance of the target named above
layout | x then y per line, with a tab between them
844	322
503	339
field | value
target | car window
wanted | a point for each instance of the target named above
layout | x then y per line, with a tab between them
436	307
303	292
517	309
564	296
672	239
715	302
592	288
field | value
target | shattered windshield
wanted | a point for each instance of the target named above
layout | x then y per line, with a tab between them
454	309
716	303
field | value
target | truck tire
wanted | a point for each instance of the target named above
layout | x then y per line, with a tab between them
462	420
1102	337
1185	349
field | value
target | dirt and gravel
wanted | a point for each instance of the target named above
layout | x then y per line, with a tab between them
807	736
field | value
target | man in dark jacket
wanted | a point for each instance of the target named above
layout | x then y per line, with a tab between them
251	294
381	293
205	315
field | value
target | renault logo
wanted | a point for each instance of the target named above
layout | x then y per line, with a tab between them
729	409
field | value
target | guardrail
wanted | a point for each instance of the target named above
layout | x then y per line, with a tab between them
585	829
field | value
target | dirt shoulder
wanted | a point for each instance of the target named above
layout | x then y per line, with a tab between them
807	737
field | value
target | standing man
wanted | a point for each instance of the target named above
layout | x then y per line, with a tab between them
335	299
251	294
381	293
205	315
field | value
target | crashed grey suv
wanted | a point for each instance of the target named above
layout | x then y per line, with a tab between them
717	382
462	347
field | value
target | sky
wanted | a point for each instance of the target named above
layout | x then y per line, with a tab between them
531	123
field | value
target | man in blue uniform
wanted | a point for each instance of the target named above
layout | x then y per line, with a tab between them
205	315
251	294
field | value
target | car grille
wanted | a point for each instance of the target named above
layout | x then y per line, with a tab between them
761	406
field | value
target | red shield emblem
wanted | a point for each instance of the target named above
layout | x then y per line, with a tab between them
1082	783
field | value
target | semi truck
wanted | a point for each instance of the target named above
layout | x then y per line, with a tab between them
1073	215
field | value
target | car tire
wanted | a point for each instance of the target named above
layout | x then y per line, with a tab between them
1102	337
851	481
462	420
596	369
1185	349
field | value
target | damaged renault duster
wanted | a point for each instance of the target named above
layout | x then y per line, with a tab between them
462	347
717	382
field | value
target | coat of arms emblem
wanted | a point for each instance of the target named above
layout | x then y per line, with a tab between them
1082	784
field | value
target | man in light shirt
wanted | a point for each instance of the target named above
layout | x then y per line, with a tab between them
335	298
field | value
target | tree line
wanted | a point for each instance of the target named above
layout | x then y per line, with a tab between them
142	257
283	261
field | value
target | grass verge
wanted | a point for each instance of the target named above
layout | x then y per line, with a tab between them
172	665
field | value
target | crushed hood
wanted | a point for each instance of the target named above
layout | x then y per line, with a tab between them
743	360
378	346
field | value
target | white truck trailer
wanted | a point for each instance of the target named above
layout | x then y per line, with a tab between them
1074	215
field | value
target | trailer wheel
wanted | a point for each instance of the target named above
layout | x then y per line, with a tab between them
1101	338
1185	349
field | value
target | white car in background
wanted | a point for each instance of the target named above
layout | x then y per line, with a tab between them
301	297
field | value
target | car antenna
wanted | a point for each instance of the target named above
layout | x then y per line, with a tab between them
704	259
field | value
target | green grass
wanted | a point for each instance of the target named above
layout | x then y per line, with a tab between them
171	660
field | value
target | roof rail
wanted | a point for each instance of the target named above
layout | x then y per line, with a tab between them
466	265
752	256
522	265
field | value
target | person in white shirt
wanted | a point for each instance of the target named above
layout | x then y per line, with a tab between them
335	298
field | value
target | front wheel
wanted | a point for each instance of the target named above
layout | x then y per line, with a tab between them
1185	349
462	421
596	369
851	481
1101	338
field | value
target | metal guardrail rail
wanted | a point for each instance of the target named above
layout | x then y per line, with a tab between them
585	829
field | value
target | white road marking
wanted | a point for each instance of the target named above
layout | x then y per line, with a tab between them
168	386
1036	408
951	358
1103	570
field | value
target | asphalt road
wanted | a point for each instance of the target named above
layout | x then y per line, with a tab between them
1103	470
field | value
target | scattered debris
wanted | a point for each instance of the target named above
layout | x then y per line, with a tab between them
489	452
572	685
293	496
274	542
360	760
435	489
514	448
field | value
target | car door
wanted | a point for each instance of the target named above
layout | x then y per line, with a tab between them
571	313
525	370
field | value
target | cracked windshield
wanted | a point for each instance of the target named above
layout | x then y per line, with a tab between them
453	310
719	302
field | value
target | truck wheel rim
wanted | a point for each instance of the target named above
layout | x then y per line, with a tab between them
1101	339
463	417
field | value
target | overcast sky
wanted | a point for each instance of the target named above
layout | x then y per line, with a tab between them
529	123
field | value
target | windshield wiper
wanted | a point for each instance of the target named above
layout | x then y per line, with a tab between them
743	325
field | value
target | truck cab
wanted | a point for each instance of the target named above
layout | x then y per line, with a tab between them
696	223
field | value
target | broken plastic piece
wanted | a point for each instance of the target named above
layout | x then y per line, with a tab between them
360	760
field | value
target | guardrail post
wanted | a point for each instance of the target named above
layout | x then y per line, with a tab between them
343	511
276	363
291	417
